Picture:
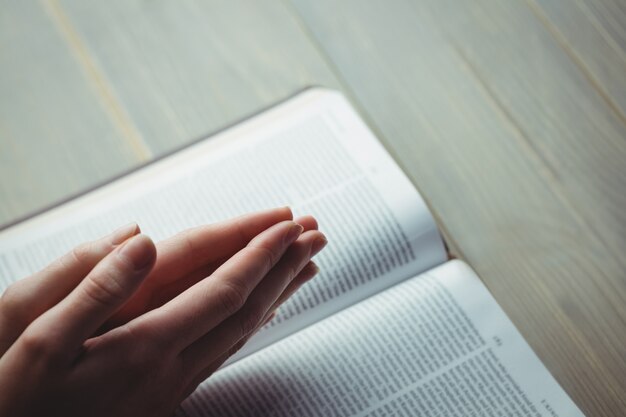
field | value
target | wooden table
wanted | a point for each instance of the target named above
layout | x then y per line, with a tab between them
510	116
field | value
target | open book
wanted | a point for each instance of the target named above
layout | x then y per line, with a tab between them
389	327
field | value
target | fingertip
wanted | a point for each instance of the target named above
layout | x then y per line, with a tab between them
308	222
318	244
256	222
139	251
281	235
277	213
104	290
287	211
293	232
309	271
123	233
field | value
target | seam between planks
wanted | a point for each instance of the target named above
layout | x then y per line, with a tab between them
550	179
601	29
102	87
561	40
450	241
578	338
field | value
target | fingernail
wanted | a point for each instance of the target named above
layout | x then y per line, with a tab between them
294	231
124	232
138	251
318	245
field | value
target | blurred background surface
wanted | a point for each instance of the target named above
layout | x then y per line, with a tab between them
509	116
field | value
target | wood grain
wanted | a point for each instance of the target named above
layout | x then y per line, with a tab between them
590	33
561	115
121	82
485	112
55	137
184	69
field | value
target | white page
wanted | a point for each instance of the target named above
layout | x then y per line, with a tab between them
313	153
434	345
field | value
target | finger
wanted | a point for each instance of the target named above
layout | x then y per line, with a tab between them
209	302
201	353
28	298
101	293
168	291
308	222
217	363
195	248
214	366
307	273
268	317
158	288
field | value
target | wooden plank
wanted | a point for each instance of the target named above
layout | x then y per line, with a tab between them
55	134
610	15
562	116
593	34
184	69
469	135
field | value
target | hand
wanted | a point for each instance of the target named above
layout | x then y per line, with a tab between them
194	254
121	327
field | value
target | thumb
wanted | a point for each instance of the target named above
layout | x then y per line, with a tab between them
105	289
29	298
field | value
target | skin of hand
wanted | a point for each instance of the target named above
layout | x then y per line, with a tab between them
122	327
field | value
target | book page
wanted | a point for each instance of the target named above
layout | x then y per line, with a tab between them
313	153
434	345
